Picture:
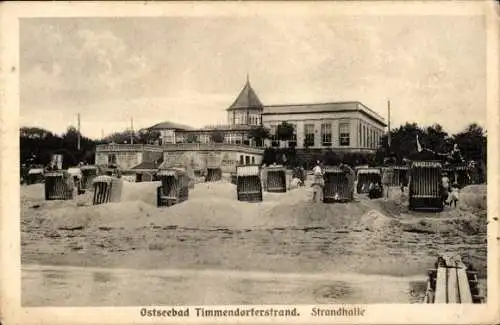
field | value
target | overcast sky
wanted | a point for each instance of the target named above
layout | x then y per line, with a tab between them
189	70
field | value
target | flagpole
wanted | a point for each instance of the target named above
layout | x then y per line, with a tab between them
131	131
78	143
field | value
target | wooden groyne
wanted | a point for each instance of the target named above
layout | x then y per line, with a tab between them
452	282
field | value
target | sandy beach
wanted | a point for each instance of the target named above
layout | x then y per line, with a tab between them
284	234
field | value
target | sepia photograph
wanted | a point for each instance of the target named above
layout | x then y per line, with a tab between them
257	159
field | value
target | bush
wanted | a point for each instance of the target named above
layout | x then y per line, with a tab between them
217	137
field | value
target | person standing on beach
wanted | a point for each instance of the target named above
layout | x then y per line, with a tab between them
445	183
387	181
318	183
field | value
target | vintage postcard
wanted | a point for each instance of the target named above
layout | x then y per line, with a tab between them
250	162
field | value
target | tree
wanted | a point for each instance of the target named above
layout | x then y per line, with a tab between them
70	138
472	142
192	138
36	145
34	133
269	156
435	138
121	137
435	142
403	141
147	136
259	134
217	136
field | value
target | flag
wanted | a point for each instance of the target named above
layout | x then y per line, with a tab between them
419	147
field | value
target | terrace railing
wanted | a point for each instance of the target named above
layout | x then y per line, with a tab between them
128	147
211	146
178	147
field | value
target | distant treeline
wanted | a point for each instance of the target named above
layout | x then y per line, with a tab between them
38	145
403	147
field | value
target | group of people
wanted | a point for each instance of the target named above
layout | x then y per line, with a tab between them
319	182
450	190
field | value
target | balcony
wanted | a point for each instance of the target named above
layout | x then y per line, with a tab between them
210	147
177	147
127	147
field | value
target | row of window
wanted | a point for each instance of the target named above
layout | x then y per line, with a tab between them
369	136
245	160
326	134
243	118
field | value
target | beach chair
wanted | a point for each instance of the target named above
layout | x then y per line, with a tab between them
425	186
174	187
248	183
275	179
339	185
59	185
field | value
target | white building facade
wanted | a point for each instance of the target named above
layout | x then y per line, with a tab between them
344	126
349	126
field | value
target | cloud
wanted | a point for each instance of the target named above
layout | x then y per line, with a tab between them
79	65
190	69
111	115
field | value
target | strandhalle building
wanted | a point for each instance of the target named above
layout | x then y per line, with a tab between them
339	126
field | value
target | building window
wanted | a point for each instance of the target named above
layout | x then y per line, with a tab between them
233	138
293	141
309	135
241	160
112	159
326	134
254	120
364	136
247	160
274	138
344	135
253	160
360	135
204	138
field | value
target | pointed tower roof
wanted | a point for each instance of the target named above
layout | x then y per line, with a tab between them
246	99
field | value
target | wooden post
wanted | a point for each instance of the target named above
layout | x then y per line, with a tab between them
78	144
389	123
131	131
441	286
463	284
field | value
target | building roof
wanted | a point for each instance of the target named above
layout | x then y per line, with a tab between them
323	108
246	99
227	127
170	125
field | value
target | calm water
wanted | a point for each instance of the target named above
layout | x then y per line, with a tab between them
81	286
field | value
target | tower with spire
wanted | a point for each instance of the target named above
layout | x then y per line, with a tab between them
247	108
